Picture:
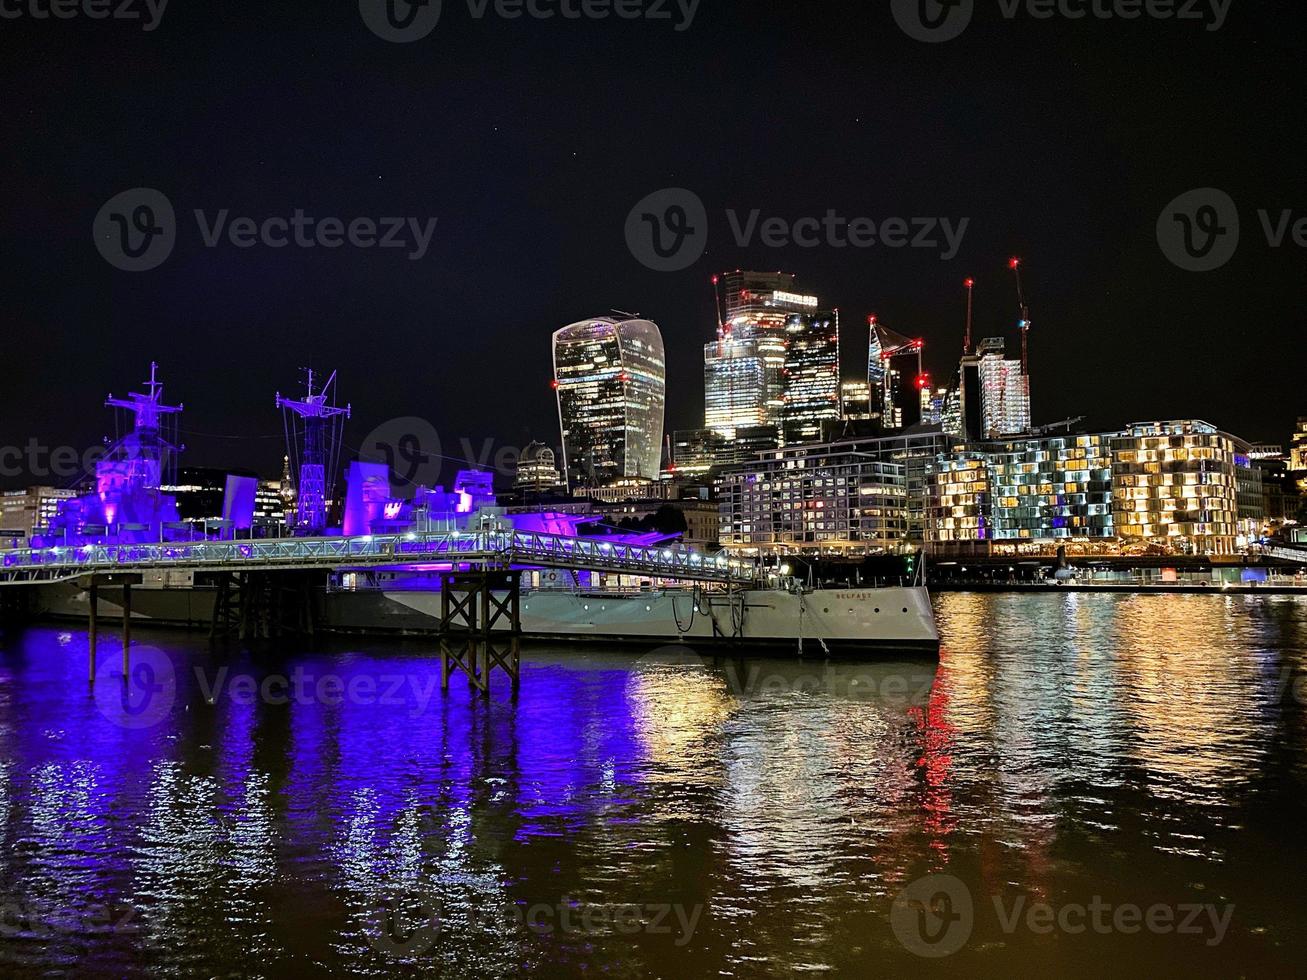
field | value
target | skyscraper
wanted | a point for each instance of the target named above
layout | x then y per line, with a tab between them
896	399
812	375
744	368
1004	391
611	377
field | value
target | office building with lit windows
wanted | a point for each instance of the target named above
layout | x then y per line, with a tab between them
855	401
537	470
812	375
744	368
24	511
610	377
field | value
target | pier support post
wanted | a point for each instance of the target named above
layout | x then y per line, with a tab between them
488	627
127	628
91	628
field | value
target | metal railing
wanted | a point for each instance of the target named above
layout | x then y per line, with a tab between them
480	548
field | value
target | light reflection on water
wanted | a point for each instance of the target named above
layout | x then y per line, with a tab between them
1142	748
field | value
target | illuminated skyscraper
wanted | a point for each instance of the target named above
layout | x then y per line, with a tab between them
855	400
610	376
744	368
812	375
896	398
1004	391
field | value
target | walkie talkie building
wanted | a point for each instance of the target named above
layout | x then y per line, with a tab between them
611	379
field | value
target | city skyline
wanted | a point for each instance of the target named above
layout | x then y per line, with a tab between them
528	239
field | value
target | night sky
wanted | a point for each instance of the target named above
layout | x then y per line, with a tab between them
530	141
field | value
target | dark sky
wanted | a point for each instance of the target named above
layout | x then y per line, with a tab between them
530	141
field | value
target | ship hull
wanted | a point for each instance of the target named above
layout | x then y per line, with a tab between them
891	619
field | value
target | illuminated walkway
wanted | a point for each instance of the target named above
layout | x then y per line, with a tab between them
475	549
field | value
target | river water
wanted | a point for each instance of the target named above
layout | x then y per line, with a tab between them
1083	783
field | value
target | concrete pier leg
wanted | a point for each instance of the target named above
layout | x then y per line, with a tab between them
127	629
91	627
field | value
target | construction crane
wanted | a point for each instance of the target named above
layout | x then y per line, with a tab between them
1040	430
966	337
1014	264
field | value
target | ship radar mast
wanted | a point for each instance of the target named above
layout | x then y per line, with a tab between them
313	426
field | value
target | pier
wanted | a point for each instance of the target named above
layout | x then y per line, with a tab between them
471	549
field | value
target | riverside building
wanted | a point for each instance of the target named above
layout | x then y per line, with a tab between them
1172	487
848	498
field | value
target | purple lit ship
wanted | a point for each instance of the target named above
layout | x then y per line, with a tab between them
646	603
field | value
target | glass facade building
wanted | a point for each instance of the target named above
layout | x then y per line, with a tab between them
1158	487
1175	487
812	375
958	508
1004	391
610	376
1055	488
745	381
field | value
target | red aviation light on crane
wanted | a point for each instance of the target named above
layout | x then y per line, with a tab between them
714	280
918	344
1013	262
969	283
871	319
554	384
923	381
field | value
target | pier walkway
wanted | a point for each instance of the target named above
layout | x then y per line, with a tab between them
482	550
